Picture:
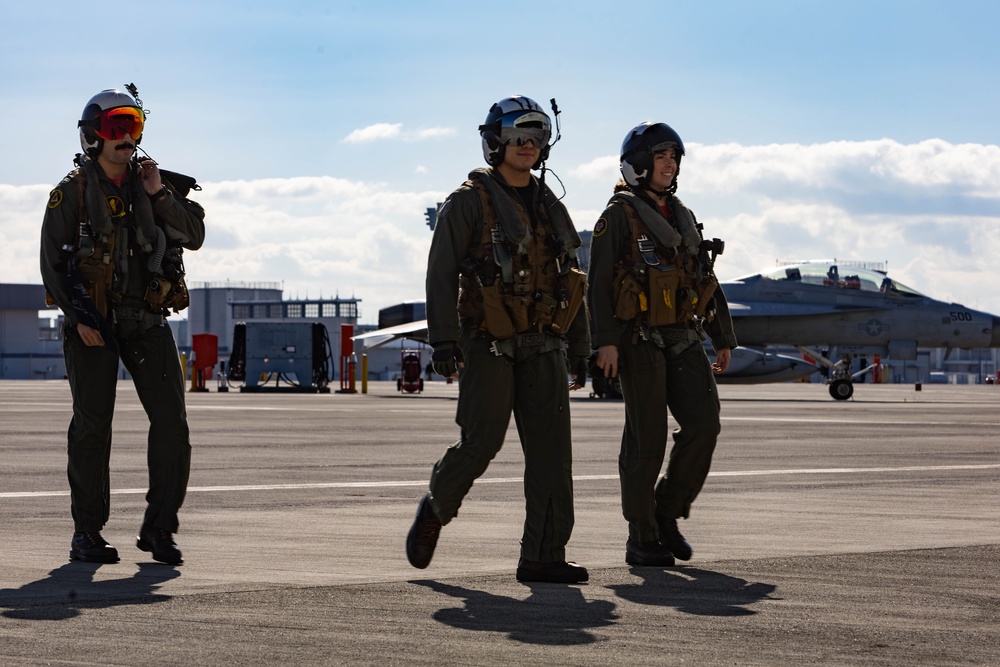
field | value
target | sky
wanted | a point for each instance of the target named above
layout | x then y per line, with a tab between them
321	131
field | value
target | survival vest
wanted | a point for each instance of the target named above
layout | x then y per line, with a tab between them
659	284
92	259
529	283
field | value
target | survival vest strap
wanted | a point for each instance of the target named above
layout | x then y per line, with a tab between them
538	294
659	285
167	288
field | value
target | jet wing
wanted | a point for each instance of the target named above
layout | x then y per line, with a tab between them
413	330
774	309
748	366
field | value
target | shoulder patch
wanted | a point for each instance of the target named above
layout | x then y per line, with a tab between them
55	198
600	227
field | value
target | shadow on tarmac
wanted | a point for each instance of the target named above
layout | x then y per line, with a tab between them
553	615
70	588
694	591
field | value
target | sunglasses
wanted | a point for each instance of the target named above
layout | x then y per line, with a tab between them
116	123
519	129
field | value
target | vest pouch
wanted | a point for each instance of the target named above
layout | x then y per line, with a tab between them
627	296
157	291
97	276
704	291
663	296
470	300
519	312
575	285
495	316
545	307
179	299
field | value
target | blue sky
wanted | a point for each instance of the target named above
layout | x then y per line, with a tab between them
322	130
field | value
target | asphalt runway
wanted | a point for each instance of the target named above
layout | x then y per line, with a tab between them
831	533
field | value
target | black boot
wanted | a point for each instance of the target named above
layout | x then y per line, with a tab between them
652	554
559	572
423	535
90	547
161	543
672	539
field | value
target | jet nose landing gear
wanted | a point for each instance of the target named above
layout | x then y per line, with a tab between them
841	389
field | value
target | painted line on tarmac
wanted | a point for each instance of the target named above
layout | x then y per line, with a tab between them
839	420
512	480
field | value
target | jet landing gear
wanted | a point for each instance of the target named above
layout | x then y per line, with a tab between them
841	380
841	389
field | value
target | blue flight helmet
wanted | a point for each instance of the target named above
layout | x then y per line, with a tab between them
641	143
515	120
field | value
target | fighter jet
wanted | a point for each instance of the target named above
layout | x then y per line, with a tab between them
746	367
853	307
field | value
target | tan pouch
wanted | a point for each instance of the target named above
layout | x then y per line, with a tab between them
575	284
703	294
97	276
157	291
628	292
545	308
663	297
495	316
519	312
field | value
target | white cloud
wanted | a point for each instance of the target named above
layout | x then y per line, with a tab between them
374	133
931	210
382	131
433	133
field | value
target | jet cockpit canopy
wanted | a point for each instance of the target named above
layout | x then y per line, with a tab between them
832	275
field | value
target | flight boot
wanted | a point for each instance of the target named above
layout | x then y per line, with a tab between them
648	554
671	538
91	547
423	535
161	543
559	572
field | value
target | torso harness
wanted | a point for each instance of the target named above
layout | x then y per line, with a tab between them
104	264
664	279
520	278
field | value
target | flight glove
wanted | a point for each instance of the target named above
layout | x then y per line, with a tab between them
446	358
578	368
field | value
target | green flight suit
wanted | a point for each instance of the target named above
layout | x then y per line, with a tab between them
528	377
667	368
140	338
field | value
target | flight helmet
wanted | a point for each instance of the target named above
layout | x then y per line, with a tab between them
515	120
109	115
641	143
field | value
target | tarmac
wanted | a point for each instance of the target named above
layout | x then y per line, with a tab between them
864	532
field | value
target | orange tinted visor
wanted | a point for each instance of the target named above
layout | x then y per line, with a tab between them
116	123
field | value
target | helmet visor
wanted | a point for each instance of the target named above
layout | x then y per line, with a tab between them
116	123
665	146
520	128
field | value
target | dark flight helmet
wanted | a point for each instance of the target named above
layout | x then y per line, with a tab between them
641	143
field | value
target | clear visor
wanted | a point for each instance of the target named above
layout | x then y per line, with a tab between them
519	129
666	146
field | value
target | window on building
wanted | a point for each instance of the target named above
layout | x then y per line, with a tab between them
312	310
241	311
